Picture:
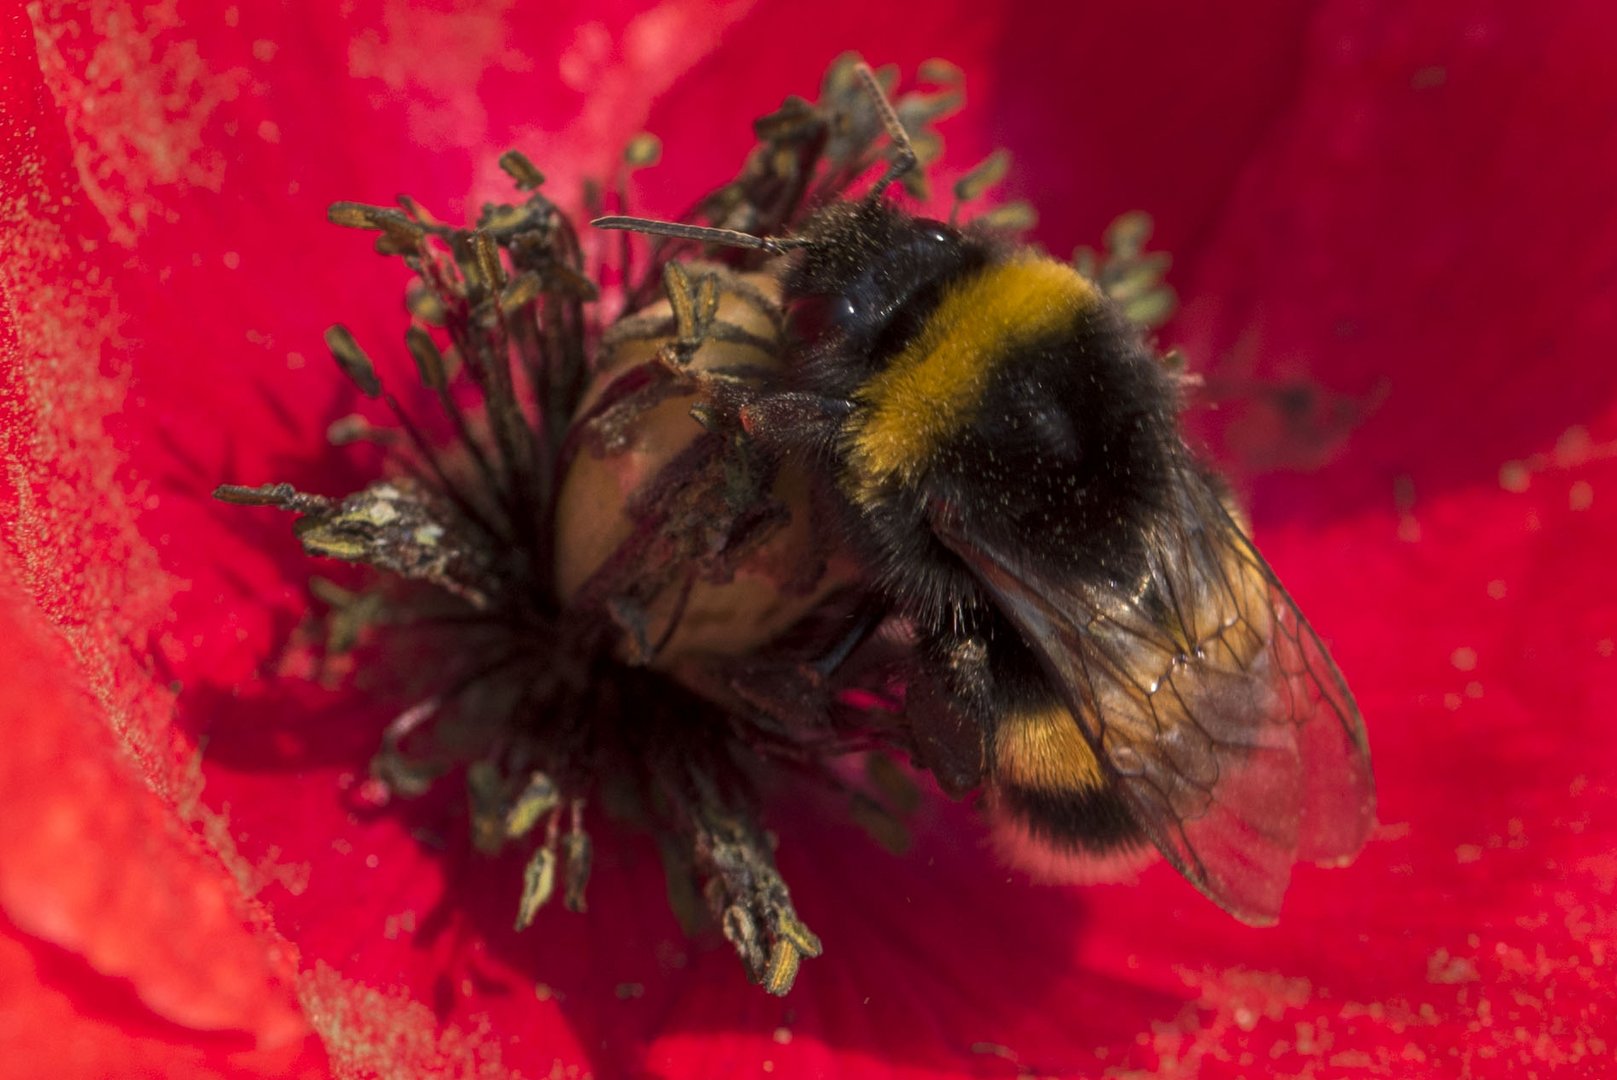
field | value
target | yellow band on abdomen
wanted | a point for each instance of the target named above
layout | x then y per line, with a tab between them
1043	750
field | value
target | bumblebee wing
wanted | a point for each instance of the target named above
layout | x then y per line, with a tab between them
1209	699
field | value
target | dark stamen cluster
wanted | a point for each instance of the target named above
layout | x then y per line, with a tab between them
547	705
546	700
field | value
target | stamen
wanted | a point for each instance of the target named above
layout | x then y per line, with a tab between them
519	168
579	855
539	798
1127	273
988	174
538	884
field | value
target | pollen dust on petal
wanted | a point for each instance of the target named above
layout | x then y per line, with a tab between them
74	559
1229	1003
78	547
137	100
369	1032
407	53
1269	1023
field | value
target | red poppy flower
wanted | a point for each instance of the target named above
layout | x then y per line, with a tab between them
1393	233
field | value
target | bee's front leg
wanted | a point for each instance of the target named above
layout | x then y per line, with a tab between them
948	705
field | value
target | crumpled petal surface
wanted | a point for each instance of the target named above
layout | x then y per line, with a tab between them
1393	234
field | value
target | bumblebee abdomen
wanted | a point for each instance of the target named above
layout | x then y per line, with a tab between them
1044	774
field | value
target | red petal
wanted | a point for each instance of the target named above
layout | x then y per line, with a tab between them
119	902
59	1017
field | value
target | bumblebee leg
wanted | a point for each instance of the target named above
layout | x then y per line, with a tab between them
861	624
948	705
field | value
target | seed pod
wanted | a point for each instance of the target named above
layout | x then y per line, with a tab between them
743	580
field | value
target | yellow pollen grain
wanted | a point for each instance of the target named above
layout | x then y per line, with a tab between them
1044	750
929	390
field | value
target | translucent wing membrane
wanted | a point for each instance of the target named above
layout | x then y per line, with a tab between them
1213	704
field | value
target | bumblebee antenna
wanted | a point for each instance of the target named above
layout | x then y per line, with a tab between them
773	245
902	162
904	159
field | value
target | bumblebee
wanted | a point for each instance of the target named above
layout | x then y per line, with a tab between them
1098	644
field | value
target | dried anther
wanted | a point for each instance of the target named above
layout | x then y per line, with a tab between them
398	525
750	901
1131	276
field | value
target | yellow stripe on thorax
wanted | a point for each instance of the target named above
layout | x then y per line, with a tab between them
1043	750
929	390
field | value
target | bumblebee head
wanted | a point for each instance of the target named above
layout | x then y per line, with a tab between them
866	278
